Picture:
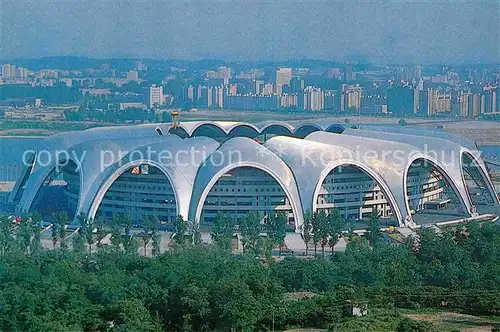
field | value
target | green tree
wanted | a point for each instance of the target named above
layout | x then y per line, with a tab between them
132	315
6	235
320	231
222	231
59	223
336	225
100	231
86	231
116	231
306	230
374	228
78	243
127	223
24	234
36	220
150	226
276	228
410	325
180	229
196	234
250	229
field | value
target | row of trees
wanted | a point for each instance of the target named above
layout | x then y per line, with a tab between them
59	94
200	287
259	233
323	229
111	115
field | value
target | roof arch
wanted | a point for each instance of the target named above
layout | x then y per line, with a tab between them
311	162
243	152
386	158
475	157
178	159
243	130
40	174
66	141
335	128
213	128
304	129
209	129
460	191
27	168
189	127
275	127
447	152
90	210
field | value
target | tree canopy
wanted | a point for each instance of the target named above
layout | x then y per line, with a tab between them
208	288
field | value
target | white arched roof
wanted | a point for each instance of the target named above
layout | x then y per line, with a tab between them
49	148
243	152
299	182
447	152
391	160
311	162
87	155
178	159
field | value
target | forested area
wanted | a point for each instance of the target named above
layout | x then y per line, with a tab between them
201	287
131	114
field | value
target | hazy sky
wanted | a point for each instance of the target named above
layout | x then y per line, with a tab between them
403	31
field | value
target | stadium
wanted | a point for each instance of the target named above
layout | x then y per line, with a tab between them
198	169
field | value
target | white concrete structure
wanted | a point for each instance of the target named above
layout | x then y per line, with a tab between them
201	168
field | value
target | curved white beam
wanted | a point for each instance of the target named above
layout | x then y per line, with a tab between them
243	152
312	161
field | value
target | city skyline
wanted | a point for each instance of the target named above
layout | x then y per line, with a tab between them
395	32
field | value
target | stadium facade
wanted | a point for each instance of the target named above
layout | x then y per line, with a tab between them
197	169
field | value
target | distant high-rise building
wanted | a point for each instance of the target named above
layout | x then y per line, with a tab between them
334	73
474	105
311	99
349	74
257	87
283	76
434	102
268	89
154	96
417	72
21	74
132	75
219	96
489	100
252	102
189	97
351	97
409	74
463	104
211	96
452	78
223	73
288	100
8	72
